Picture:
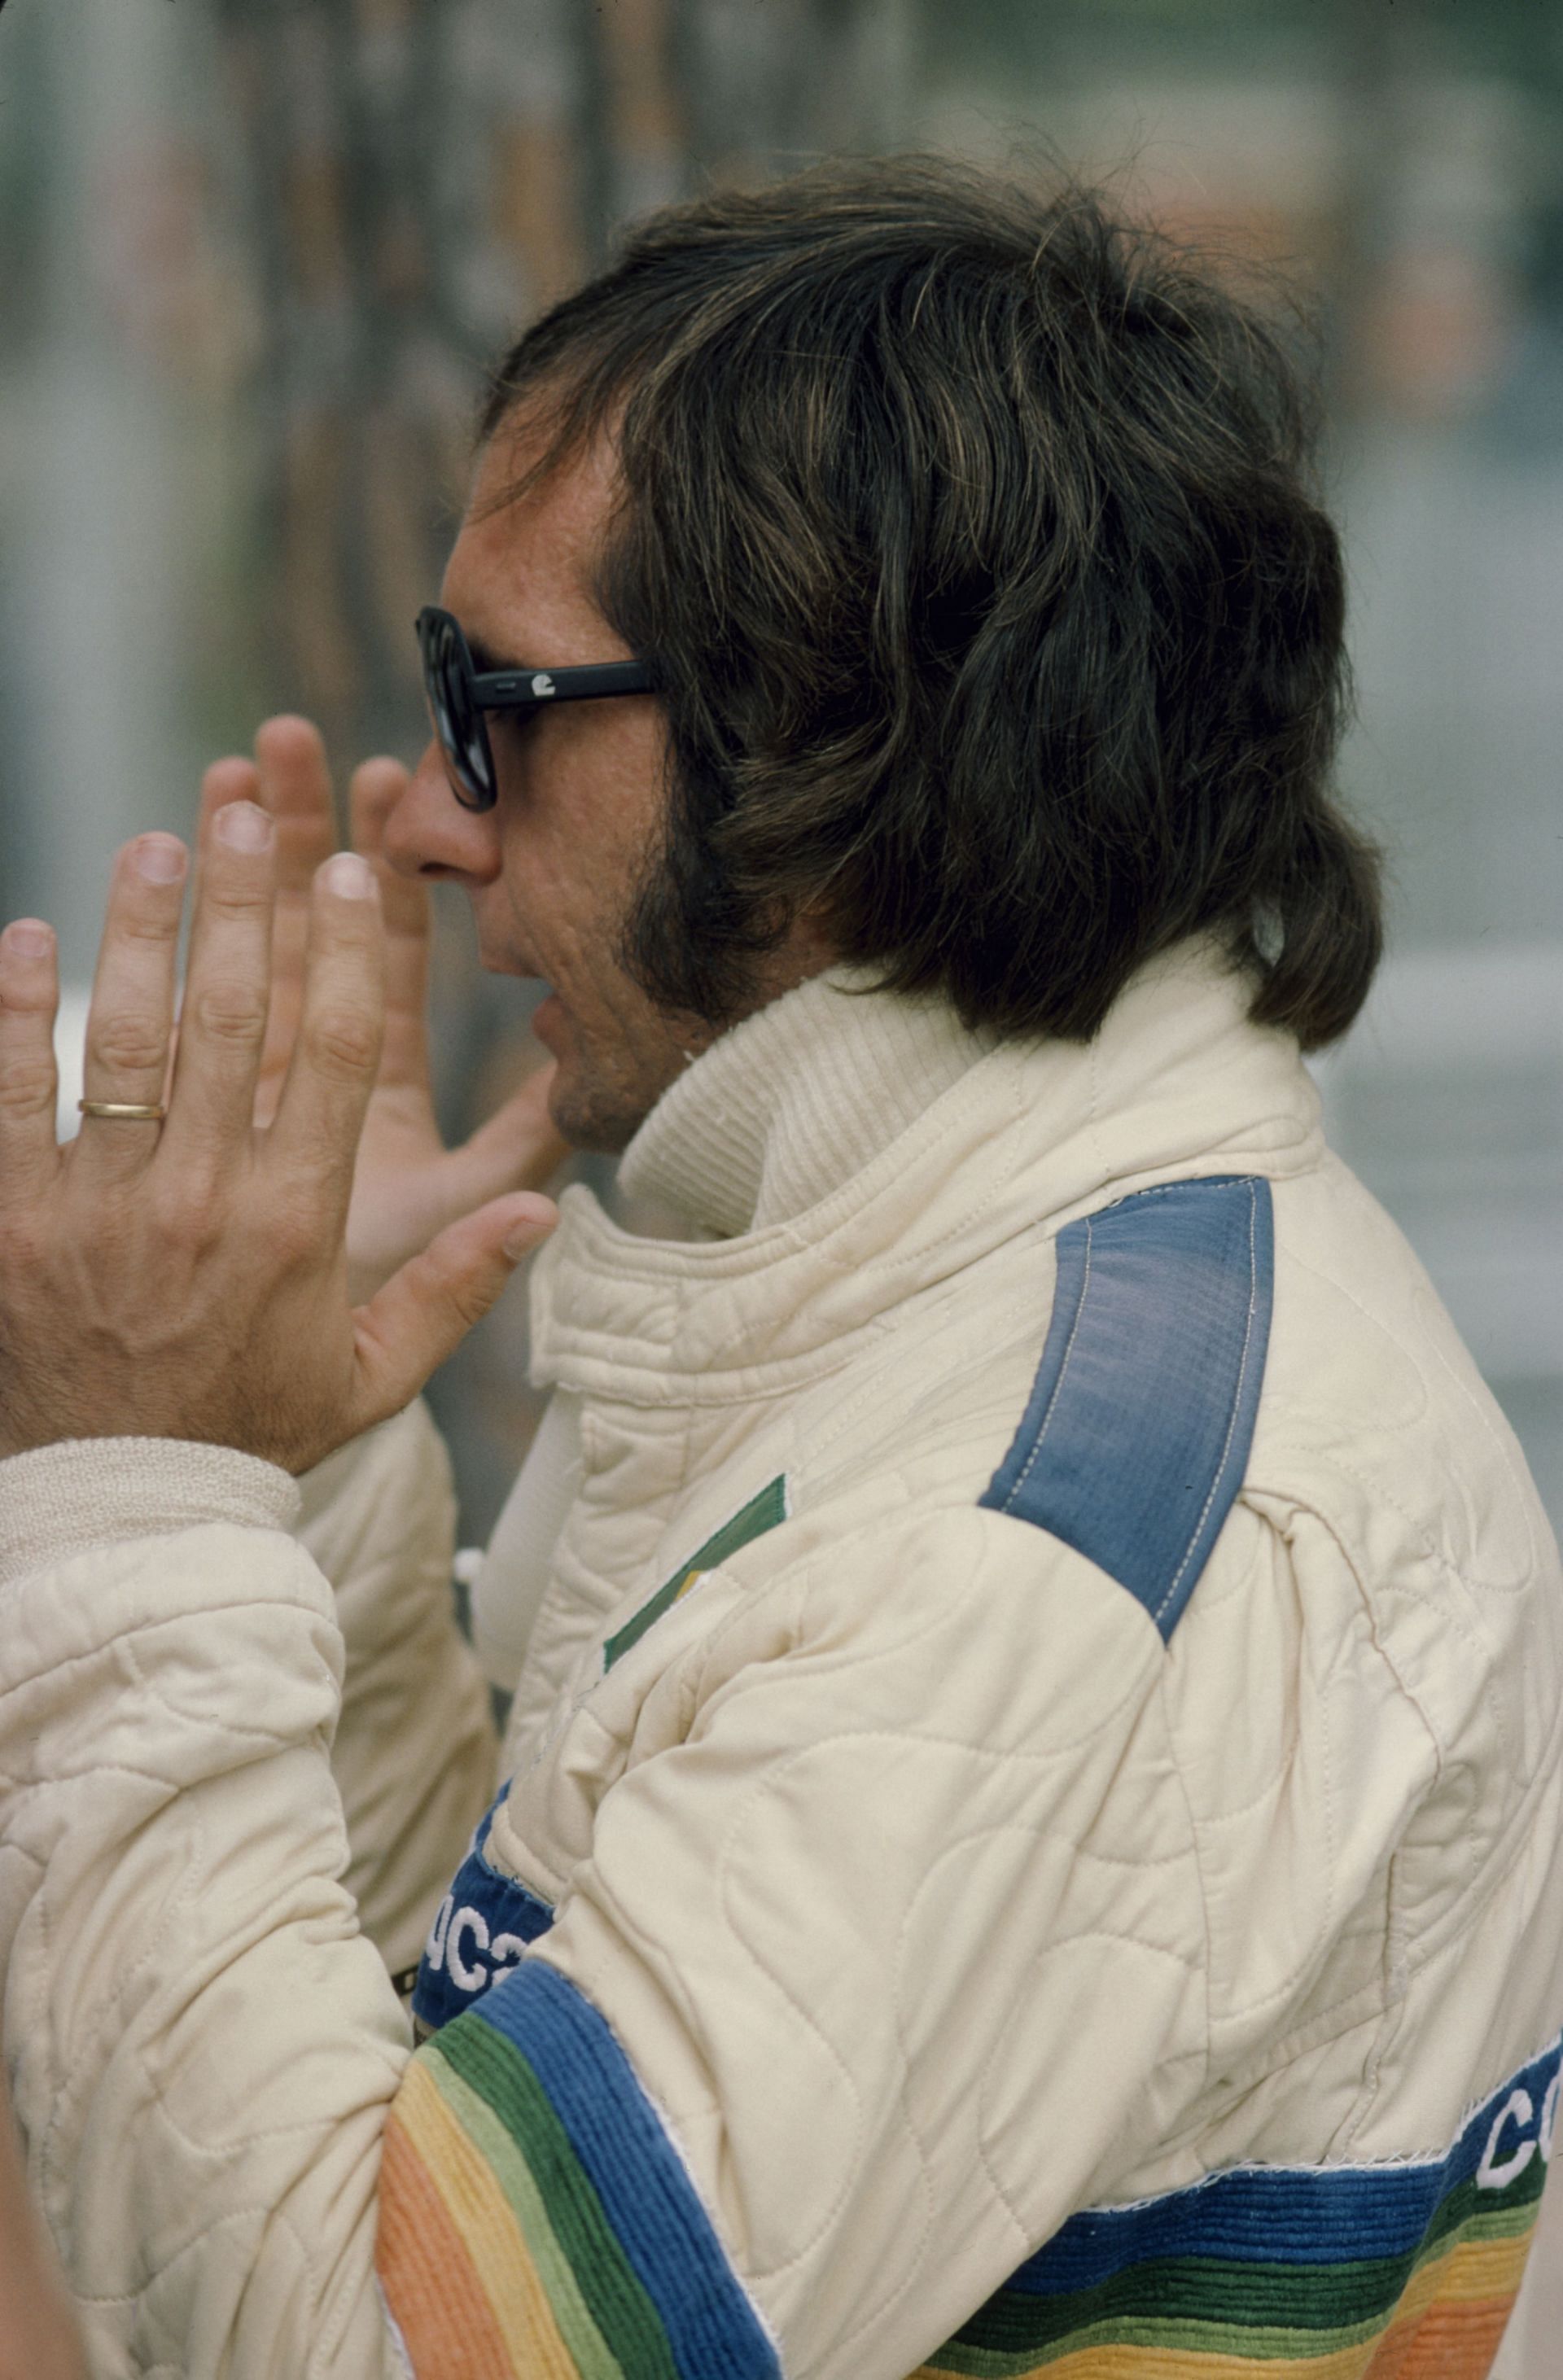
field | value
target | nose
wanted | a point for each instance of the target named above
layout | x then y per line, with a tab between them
429	834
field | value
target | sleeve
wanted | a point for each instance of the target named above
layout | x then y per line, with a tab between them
201	2045
415	1750
882	1953
1529	2350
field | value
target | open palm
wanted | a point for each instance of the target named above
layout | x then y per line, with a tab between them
407	1186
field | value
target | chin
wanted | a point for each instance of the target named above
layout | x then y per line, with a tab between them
590	1117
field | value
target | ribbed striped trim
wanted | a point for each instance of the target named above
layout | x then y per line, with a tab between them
1350	2273
795	1100
535	2217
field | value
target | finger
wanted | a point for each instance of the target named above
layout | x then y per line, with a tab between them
130	1021
519	1146
376	787
296	790
332	1072
424	1311
294	784
227	982
29	995
226	781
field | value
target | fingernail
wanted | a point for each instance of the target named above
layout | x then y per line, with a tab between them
525	1231
160	858
28	938
243	826
351	878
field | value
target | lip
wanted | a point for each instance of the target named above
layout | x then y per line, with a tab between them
491	964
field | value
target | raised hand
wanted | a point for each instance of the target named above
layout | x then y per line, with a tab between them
407	1185
188	1279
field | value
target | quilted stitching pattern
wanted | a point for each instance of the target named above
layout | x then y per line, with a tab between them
930	1896
1236	1914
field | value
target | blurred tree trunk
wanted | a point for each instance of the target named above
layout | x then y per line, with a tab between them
1370	46
417	178
769	88
362	377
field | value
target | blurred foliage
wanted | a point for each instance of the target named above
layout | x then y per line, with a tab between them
412	179
26	179
1511	37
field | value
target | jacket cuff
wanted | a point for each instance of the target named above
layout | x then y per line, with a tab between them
58	1501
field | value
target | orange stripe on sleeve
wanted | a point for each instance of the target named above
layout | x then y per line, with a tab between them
430	2282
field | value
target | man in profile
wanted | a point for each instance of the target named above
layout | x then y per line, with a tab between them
1028	1831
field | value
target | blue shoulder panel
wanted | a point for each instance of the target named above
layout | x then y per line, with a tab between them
1133	1446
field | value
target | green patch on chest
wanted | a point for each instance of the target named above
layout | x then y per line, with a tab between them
761	1512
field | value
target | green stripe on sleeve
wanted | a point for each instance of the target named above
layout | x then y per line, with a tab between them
620	2306
486	2129
1245	2308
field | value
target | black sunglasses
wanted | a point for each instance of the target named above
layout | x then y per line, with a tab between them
459	694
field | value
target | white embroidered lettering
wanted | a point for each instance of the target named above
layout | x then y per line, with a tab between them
508	1951
1490	2175
1549	2118
473	1979
433	1949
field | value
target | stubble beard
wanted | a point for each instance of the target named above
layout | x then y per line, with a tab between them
602	1096
614	1091
596	1121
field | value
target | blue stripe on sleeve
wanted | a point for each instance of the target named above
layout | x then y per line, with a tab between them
1318	2215
625	2152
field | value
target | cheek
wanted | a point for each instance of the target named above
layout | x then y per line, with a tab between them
590	814
568	895
615	768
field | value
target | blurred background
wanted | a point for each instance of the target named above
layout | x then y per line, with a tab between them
256	256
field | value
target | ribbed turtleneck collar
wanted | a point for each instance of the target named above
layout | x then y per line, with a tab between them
794	1100
834	1157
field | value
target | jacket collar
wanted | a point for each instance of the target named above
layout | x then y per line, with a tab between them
854	1149
794	1101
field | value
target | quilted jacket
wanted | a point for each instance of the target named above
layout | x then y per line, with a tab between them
1029	1832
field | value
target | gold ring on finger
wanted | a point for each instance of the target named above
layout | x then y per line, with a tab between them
126	1109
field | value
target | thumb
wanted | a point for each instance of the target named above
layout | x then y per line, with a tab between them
425	1310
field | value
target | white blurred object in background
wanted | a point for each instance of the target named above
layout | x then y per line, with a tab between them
1447	1099
71	1033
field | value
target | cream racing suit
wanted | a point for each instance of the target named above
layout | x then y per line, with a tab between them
1030	1832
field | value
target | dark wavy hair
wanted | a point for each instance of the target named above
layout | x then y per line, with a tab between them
971	532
